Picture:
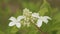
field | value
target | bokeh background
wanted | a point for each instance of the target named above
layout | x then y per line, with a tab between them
15	8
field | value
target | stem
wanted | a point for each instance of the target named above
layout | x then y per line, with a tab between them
39	28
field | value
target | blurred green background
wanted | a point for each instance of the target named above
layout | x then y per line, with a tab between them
15	8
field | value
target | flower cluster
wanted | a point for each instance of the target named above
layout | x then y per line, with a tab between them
27	18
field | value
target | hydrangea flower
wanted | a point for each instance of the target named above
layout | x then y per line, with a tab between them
15	21
28	17
41	19
27	14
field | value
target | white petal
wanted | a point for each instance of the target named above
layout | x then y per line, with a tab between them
39	23
20	17
47	17
12	19
18	25
11	24
35	15
45	21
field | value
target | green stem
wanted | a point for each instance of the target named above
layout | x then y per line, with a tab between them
39	28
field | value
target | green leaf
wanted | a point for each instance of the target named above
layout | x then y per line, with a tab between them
56	23
12	30
45	7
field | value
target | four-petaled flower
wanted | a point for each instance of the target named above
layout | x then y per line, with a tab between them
41	19
15	21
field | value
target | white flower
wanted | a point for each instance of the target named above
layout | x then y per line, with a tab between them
39	23
15	21
35	15
26	12
42	19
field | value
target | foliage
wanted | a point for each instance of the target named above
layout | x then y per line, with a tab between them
53	27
